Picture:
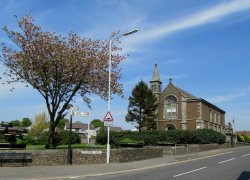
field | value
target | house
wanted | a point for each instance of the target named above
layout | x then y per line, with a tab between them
81	129
116	129
179	109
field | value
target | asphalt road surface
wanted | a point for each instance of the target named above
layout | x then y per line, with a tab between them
231	166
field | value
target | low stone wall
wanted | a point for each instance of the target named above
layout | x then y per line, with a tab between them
182	149
208	147
135	154
242	144
59	157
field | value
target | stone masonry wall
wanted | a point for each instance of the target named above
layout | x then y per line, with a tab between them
59	157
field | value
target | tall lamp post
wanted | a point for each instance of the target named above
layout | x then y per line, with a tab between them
110	54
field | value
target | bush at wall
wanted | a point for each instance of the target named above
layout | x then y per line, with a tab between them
61	138
154	138
2	139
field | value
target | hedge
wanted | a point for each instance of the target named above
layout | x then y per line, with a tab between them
154	138
61	138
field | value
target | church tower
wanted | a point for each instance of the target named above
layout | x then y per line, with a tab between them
155	83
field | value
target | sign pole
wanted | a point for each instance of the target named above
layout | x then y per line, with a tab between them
110	55
88	127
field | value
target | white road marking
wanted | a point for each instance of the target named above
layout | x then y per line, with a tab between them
189	172
245	155
226	161
134	170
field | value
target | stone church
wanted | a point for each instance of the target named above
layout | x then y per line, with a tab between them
179	109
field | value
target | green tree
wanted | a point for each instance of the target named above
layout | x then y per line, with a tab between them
97	123
142	107
41	123
26	122
16	123
59	68
62	123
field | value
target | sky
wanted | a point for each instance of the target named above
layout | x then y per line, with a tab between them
204	46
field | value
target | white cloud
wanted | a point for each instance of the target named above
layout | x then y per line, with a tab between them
213	14
228	97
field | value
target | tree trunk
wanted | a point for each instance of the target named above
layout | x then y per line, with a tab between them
140	121
51	138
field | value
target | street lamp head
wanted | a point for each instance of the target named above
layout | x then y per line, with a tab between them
130	32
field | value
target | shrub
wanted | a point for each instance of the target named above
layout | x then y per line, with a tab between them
129	140
240	138
246	138
207	136
61	138
2	139
153	138
22	140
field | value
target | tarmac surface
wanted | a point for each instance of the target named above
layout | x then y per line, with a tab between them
90	170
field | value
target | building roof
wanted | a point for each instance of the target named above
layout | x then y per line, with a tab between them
185	94
79	126
156	76
192	98
116	129
247	133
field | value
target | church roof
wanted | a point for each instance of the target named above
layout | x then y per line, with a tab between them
186	94
156	76
192	98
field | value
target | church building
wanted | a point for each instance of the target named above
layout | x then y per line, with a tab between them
179	109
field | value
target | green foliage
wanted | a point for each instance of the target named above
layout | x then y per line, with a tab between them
16	123
2	139
21	140
64	137
154	138
62	123
246	138
26	122
11	139
129	140
40	125
97	123
240	138
101	137
207	136
61	137
142	107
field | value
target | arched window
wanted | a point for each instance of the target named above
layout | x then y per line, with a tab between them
170	127
170	107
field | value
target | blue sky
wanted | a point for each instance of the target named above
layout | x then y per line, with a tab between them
203	45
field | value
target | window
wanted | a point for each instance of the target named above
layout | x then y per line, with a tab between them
170	107
215	118
219	121
170	127
211	116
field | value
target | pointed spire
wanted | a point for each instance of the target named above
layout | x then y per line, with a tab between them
156	74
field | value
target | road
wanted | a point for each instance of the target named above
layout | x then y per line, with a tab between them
231	166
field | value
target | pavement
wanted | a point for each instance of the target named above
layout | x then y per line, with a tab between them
81	171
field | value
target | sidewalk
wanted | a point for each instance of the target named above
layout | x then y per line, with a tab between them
74	171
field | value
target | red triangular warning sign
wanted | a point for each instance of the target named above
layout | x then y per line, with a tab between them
108	117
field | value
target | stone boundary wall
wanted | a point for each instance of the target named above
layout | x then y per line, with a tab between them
170	150
81	156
